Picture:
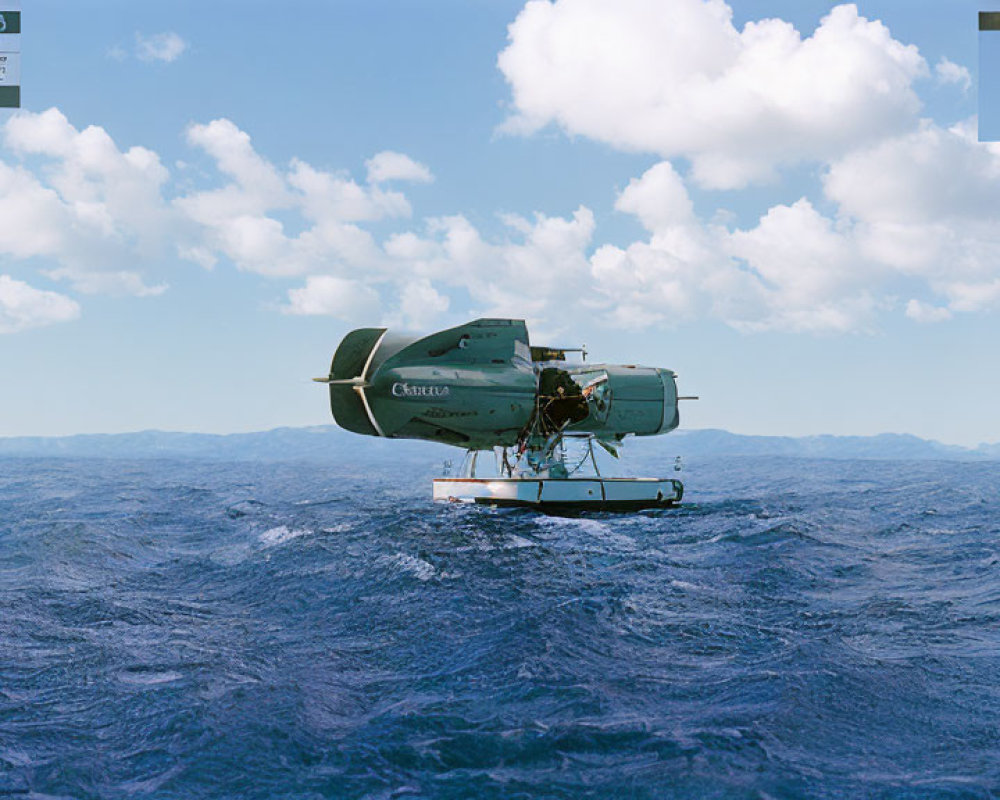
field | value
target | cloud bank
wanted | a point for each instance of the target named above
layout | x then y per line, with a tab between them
904	219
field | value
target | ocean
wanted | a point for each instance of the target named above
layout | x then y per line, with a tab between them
797	629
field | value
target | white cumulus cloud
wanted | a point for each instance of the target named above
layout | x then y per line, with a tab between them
676	78
90	207
923	312
927	204
811	275
793	271
22	306
421	304
916	211
166	47
950	72
391	166
239	220
346	299
102	217
530	272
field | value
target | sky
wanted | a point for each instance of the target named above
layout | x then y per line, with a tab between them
785	202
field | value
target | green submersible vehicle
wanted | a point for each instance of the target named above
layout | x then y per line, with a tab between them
482	387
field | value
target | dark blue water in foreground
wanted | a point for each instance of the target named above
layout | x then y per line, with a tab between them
798	629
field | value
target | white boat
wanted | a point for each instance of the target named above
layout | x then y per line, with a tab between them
569	494
558	483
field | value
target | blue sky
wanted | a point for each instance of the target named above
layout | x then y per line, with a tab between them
784	202
989	85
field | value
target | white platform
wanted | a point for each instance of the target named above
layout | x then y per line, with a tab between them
600	494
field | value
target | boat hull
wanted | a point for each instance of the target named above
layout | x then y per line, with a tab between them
562	494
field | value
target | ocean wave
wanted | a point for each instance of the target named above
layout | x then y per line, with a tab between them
179	630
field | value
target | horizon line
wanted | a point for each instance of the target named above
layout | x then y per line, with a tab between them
334	427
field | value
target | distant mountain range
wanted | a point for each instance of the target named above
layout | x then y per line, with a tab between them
317	443
882	446
329	443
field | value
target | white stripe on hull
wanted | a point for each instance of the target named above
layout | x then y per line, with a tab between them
361	389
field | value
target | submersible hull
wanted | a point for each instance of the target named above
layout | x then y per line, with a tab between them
481	386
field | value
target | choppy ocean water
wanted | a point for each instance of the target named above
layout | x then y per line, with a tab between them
798	629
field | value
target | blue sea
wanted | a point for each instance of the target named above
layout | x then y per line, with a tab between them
798	629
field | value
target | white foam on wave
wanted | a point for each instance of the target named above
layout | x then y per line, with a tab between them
592	532
340	527
417	567
582	524
280	535
143	678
